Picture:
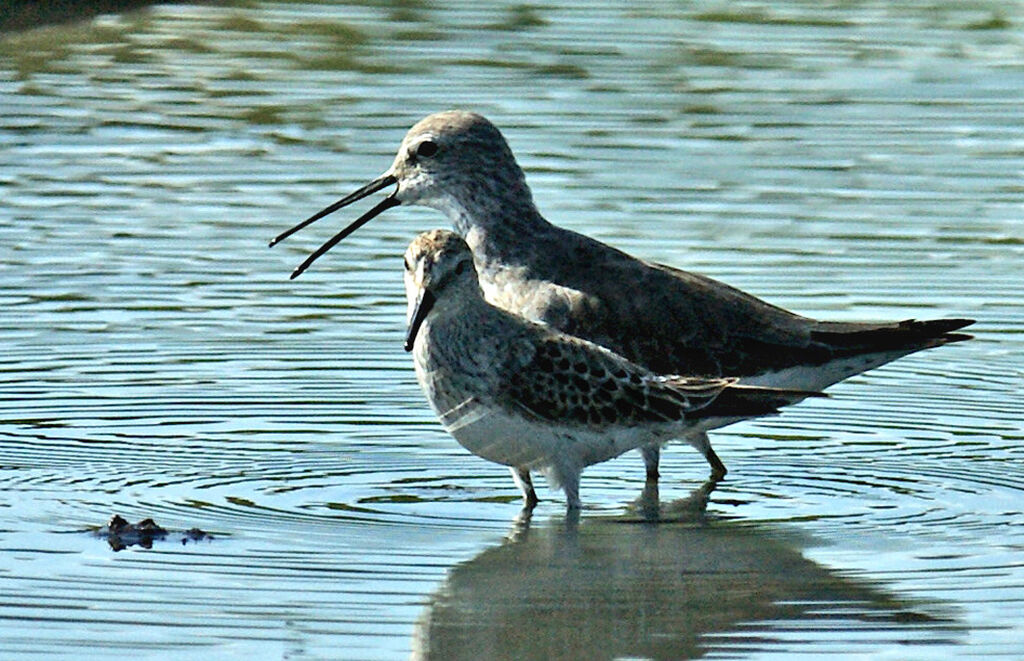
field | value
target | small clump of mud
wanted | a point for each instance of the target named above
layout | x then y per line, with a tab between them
121	534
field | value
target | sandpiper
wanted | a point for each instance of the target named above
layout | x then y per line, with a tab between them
521	394
669	321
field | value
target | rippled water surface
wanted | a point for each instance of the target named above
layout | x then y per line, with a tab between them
848	160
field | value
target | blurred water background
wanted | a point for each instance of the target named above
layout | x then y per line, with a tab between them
847	160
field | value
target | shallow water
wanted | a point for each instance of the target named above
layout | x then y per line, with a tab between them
859	161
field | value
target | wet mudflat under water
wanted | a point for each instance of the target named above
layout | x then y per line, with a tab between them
856	160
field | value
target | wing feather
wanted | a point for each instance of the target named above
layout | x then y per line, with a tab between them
567	380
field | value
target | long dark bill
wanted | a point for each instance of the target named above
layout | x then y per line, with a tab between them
384	205
418	315
369	189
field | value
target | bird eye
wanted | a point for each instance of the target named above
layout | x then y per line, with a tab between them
460	268
426	149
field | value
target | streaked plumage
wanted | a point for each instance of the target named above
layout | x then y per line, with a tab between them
520	394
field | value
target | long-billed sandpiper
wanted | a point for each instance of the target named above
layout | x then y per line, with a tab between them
669	321
520	394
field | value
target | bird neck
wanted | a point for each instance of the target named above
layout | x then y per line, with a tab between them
461	296
493	225
458	329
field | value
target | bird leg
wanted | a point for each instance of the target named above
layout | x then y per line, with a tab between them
703	445
521	476
652	454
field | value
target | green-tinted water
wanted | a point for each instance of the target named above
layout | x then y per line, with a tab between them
855	160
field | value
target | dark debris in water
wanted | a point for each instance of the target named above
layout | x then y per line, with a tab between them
121	534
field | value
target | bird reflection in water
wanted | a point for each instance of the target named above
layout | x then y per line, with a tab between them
663	581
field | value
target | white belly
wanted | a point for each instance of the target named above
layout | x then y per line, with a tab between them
516	441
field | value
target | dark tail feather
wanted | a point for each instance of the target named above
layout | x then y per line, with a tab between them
739	401
909	334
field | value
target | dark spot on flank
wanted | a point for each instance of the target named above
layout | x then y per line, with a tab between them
544	409
665	408
634	397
